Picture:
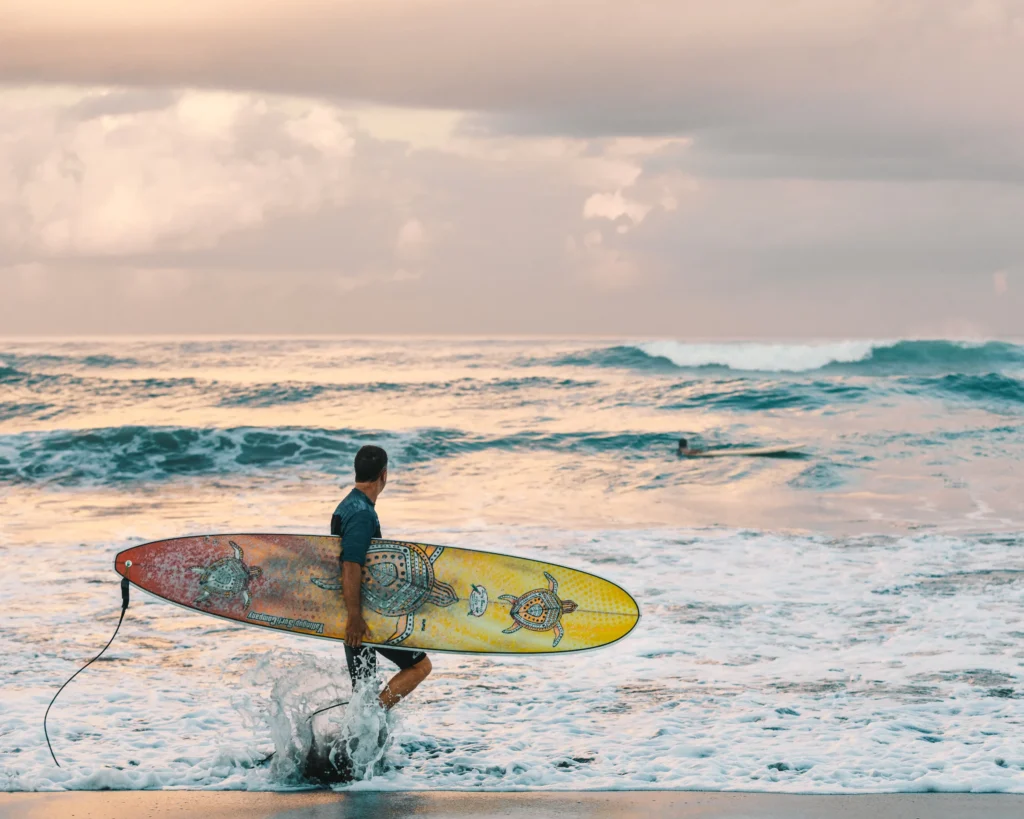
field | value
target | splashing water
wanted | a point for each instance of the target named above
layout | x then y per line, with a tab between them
346	742
362	737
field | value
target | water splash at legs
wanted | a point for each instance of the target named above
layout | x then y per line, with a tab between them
339	745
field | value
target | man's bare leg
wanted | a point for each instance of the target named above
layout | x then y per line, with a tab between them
404	683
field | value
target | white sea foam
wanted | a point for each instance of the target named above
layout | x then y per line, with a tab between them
754	356
762	662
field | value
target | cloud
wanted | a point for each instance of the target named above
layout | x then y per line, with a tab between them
412	239
173	178
260	213
495	211
843	89
116	173
613	206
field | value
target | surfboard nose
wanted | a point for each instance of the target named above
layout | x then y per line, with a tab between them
129	558
622	603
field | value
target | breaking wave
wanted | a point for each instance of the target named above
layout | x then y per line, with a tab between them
118	455
860	357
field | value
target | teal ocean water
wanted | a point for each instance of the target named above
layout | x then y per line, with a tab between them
846	617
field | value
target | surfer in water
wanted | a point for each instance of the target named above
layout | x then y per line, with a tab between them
356	522
685	448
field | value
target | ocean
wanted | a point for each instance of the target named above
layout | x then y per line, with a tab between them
846	618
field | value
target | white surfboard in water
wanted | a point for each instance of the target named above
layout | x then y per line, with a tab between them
767	451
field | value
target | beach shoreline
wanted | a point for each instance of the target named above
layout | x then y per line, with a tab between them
179	804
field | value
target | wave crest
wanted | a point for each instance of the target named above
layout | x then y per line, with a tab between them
861	357
118	455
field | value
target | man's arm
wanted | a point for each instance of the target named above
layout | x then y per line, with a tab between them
351	585
354	544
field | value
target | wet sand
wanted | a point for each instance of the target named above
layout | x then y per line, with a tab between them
514	805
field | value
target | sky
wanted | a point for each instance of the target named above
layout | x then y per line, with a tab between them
656	168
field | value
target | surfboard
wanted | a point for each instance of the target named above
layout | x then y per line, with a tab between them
415	596
767	451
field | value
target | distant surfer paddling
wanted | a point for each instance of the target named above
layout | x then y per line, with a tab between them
686	449
356	522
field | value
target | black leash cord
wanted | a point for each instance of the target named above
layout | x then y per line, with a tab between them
124	608
326	708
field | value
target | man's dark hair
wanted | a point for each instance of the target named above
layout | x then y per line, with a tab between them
370	462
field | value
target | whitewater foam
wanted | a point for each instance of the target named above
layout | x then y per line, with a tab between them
760	357
876	358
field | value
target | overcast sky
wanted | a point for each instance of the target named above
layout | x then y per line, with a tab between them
679	168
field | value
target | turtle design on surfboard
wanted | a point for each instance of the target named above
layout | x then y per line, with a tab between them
539	610
226	577
398	579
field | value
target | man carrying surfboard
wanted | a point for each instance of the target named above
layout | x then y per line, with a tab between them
355	521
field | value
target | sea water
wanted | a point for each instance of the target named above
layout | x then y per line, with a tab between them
847	619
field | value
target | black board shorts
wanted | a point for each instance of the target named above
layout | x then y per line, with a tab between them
362	661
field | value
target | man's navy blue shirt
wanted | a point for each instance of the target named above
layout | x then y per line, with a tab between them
356	521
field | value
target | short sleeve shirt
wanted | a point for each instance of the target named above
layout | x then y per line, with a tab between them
356	522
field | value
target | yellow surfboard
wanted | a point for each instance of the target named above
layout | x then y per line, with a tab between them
415	596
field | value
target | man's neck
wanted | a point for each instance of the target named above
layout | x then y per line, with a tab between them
371	490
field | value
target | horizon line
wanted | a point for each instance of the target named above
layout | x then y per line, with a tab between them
242	336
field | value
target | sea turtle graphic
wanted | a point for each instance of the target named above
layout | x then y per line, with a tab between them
398	578
226	578
539	610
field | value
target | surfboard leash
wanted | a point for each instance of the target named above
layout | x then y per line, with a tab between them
124	608
326	708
